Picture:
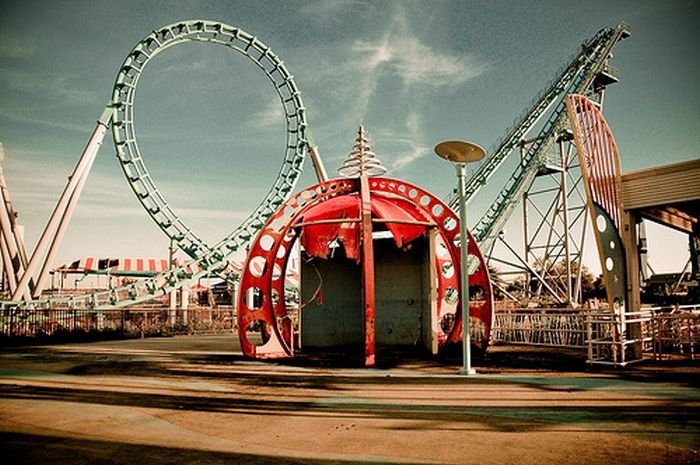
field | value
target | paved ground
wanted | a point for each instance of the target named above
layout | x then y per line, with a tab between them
194	399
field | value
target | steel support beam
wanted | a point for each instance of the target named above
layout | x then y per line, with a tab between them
368	291
53	232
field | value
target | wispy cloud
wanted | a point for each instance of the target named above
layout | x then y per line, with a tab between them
93	210
323	10
271	115
17	117
51	90
414	62
63	88
38	178
398	61
30	175
105	195
400	53
172	63
412	139
213	214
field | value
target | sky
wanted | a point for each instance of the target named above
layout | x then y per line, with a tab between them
414	73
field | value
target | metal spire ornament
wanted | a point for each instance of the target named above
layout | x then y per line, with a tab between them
362	160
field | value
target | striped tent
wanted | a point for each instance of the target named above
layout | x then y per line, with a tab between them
115	266
131	266
146	267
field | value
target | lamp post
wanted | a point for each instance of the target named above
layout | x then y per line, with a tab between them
460	153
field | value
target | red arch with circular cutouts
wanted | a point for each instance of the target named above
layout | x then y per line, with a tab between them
264	270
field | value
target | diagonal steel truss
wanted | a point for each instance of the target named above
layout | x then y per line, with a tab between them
578	76
550	237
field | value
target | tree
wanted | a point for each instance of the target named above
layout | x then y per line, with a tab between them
555	276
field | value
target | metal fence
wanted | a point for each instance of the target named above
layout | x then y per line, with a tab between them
662	332
18	324
618	339
675	331
541	327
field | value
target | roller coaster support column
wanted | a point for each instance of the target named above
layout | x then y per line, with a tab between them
13	256
7	266
172	306
316	161
564	193
55	229
184	301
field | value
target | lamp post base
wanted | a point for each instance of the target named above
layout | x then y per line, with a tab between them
466	371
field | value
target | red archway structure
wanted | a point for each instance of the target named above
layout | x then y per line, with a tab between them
344	210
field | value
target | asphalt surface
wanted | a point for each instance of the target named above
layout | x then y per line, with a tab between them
196	400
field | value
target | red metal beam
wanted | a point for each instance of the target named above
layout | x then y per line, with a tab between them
368	294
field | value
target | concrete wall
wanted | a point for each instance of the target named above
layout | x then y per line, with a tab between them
402	286
338	320
401	294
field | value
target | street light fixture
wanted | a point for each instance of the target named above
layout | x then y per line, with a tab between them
460	153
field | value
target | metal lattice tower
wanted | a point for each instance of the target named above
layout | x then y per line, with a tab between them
587	73
555	224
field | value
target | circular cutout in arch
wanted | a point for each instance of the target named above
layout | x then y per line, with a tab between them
448	270
601	223
609	264
256	332
266	242
257	266
254	298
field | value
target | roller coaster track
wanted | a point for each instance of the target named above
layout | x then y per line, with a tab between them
577	77
128	153
120	112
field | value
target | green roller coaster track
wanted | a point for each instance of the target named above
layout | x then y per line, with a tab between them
120	112
577	77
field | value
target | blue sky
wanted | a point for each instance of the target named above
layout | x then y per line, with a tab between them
414	72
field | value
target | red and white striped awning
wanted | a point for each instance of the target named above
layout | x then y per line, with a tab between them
115	265
131	266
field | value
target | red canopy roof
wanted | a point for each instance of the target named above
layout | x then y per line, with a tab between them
400	217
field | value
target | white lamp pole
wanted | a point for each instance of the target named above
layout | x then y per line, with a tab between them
461	153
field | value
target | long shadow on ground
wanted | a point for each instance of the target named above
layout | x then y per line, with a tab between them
21	449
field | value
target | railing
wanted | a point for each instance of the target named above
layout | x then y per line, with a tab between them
612	339
618	339
541	327
675	331
19	323
661	332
